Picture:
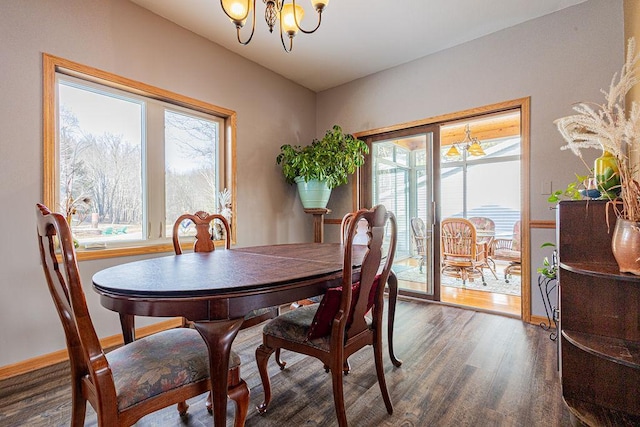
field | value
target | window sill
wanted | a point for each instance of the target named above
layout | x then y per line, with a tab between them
91	254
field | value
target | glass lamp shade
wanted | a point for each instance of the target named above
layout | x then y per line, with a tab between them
237	10
453	152
475	149
288	21
319	4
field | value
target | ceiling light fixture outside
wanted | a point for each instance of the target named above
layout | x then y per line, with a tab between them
468	144
289	14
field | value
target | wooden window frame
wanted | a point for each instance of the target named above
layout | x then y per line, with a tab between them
53	65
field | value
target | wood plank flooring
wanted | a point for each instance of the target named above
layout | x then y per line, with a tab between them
461	368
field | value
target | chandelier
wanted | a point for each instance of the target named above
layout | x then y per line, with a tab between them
468	144
289	14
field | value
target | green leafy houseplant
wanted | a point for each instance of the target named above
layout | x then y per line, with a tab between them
571	192
549	269
331	159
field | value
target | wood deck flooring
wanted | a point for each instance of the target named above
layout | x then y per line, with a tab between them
461	368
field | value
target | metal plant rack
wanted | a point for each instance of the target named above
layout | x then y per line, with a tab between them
547	286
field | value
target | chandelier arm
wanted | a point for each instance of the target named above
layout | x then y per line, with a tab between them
295	18
284	46
253	27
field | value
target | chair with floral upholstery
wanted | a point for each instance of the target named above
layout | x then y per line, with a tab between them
339	325
134	380
509	250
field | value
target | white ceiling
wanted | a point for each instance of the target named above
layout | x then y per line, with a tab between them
357	37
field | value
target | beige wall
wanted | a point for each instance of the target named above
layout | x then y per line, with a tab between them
122	38
632	29
557	60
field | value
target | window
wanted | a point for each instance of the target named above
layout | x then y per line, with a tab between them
123	160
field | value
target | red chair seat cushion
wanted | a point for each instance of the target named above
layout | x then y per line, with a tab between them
328	308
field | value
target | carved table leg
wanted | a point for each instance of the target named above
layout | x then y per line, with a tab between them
219	334
393	296
127	322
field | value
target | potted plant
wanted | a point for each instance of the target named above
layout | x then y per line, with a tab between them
321	166
616	132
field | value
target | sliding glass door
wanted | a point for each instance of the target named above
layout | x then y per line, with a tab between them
399	174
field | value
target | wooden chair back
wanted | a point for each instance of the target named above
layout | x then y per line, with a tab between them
361	233
203	222
86	355
382	233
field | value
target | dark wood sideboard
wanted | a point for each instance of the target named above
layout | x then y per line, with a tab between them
599	320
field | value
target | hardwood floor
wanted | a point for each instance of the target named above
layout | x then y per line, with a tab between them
499	303
493	302
461	368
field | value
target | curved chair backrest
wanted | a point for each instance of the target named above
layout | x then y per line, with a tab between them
517	236
419	233
204	236
484	224
361	231
418	228
63	279
372	280
458	237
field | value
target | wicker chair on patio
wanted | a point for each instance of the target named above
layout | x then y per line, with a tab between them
485	233
419	235
462	255
509	250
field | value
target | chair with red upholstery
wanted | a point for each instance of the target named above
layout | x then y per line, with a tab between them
134	380
338	326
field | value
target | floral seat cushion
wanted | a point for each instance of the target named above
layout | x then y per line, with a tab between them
294	326
163	361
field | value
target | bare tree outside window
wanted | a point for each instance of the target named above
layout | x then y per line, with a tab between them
100	171
191	172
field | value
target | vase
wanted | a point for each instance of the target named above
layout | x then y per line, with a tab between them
607	174
625	245
314	194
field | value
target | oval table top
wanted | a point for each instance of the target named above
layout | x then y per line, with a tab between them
223	272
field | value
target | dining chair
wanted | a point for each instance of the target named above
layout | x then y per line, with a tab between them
339	325
133	380
462	255
510	250
419	235
204	224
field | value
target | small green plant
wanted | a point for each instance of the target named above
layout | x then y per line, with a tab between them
571	192
332	158
549	269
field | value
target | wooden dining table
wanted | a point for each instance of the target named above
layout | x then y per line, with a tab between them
215	290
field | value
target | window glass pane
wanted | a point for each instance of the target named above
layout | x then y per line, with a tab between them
191	177
100	144
402	156
452	191
495	188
